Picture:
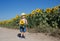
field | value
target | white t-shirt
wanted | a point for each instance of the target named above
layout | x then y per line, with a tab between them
25	20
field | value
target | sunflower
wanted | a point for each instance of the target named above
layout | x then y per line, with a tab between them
56	8
33	12
21	22
38	10
48	10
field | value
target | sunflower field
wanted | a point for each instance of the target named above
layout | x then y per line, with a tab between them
39	20
12	23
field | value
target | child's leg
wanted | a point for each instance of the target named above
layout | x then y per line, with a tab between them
23	33
21	30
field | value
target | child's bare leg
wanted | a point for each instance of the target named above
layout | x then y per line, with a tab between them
23	34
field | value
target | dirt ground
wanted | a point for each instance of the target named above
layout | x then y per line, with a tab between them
11	35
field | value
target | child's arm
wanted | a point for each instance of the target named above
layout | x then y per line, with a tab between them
26	25
26	22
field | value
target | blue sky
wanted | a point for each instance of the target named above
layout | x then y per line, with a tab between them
10	8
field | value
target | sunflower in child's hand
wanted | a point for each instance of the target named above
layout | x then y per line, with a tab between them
22	22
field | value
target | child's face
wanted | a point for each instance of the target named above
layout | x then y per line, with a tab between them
23	16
